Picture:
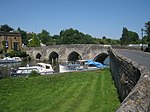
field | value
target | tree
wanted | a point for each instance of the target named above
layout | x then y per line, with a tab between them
6	28
125	38
133	37
71	36
45	37
33	41
129	37
103	37
56	39
23	35
147	27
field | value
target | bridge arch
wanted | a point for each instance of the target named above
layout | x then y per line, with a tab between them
38	56
53	56
74	56
101	57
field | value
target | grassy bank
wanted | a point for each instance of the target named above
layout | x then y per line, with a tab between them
92	91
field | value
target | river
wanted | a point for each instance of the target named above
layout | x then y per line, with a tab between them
5	69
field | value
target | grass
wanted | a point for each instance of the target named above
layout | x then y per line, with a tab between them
91	91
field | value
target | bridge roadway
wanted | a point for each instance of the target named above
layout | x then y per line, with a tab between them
142	58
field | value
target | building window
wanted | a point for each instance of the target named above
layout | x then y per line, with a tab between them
16	45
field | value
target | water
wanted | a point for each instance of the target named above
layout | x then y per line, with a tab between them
5	69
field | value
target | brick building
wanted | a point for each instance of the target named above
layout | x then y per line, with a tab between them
10	41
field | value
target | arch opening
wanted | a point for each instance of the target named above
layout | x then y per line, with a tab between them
74	56
53	57
101	57
38	56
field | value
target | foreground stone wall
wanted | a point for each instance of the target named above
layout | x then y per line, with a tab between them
132	82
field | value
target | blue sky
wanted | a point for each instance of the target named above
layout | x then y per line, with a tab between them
95	17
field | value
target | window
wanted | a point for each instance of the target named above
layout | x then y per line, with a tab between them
47	67
16	45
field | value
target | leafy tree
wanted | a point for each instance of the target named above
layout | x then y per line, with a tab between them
24	36
129	37
34	41
125	38
87	39
147	26
133	37
103	37
45	37
71	36
6	28
57	39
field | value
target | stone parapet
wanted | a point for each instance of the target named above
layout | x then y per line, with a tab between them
85	51
132	82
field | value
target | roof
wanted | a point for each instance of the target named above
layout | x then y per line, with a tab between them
44	64
2	33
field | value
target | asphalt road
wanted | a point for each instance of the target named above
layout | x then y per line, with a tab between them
140	57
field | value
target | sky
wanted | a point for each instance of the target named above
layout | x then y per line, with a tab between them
97	18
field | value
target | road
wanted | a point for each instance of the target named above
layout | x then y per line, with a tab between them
140	57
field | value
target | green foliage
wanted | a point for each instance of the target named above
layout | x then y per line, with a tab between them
1	51
129	37
71	36
34	74
68	36
17	54
133	37
92	91
33	40
108	41
147	26
125	38
6	28
57	39
23	35
45	37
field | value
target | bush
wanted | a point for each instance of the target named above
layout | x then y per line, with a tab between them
17	54
1	51
34	74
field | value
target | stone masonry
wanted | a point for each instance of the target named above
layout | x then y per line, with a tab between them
86	51
132	82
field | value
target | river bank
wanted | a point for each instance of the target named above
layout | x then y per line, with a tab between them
76	91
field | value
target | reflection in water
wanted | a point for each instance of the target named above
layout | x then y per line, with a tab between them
5	69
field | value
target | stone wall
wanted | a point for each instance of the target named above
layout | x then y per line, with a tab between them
132	82
86	51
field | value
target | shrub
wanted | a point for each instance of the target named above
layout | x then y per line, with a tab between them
34	74
1	51
17	54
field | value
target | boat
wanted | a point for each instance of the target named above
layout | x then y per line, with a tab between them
10	60
92	63
41	68
80	65
69	68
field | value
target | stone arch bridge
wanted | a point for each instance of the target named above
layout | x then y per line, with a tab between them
73	52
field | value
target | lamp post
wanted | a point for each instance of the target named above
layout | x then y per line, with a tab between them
142	38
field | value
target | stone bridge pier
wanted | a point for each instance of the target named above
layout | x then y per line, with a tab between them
62	53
